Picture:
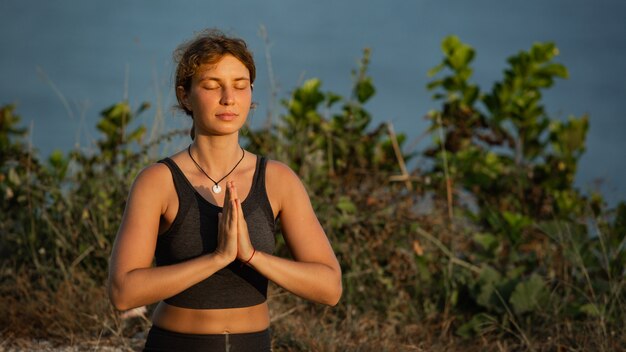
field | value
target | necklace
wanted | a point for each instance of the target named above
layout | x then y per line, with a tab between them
216	188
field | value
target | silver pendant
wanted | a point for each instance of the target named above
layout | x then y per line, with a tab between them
217	189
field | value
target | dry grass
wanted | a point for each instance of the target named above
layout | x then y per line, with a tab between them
76	313
78	317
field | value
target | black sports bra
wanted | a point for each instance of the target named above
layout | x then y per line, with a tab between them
194	232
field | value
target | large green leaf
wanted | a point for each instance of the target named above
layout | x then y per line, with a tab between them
365	90
529	295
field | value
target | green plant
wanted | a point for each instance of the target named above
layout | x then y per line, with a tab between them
517	165
324	136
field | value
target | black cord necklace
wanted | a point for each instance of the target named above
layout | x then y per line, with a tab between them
216	188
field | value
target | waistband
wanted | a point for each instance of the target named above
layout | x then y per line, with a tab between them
165	340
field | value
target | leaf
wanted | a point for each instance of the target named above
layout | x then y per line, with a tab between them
105	126
346	205
118	113
462	56
143	107
332	98
59	163
434	84
529	295
590	309
56	159
488	280
555	70
470	95
543	51
13	177
450	43
433	71
458	54
137	134
486	240
478	324
516	221
311	86
365	90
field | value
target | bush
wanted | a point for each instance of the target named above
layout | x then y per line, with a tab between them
493	244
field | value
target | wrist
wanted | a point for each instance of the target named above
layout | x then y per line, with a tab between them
247	262
220	258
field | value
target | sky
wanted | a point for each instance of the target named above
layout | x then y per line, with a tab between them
64	61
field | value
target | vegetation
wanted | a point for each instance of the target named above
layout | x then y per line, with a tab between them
490	248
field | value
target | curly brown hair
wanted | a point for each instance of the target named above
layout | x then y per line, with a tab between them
207	47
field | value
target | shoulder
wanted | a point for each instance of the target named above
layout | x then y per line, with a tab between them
153	175
283	185
152	185
279	173
150	192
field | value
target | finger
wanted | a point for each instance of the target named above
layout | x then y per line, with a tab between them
241	220
239	209
233	190
244	245
228	195
220	222
232	216
232	195
227	199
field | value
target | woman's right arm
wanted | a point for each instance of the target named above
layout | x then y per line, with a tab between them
133	282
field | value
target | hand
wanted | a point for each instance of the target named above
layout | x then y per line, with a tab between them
227	227
244	245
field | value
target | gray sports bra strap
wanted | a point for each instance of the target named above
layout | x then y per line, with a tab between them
259	183
186	195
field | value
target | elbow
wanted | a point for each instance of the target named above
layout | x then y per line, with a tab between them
334	298
119	304
334	294
117	298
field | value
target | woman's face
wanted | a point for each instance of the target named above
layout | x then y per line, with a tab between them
219	97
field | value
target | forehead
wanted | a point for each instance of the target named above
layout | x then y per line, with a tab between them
227	67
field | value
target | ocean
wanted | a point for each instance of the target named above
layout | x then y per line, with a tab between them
64	61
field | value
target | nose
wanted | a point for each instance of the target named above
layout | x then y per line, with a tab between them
227	96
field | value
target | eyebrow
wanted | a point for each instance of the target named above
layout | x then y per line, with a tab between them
210	78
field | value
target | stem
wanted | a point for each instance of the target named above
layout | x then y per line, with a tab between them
445	167
399	156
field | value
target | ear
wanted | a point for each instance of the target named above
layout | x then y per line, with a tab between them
182	95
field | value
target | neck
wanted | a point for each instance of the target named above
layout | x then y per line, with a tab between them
216	154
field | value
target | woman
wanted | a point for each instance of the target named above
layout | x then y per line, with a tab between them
207	215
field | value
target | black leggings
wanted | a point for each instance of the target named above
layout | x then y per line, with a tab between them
166	340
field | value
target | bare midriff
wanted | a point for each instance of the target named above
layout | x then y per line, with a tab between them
212	321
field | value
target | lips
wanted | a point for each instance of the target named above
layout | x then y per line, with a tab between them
226	116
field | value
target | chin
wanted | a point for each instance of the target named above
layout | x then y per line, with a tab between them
225	131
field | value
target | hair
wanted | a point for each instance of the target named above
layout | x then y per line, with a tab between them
207	47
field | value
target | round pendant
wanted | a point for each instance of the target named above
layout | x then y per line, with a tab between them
217	189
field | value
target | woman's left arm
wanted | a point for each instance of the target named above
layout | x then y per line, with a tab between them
314	273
